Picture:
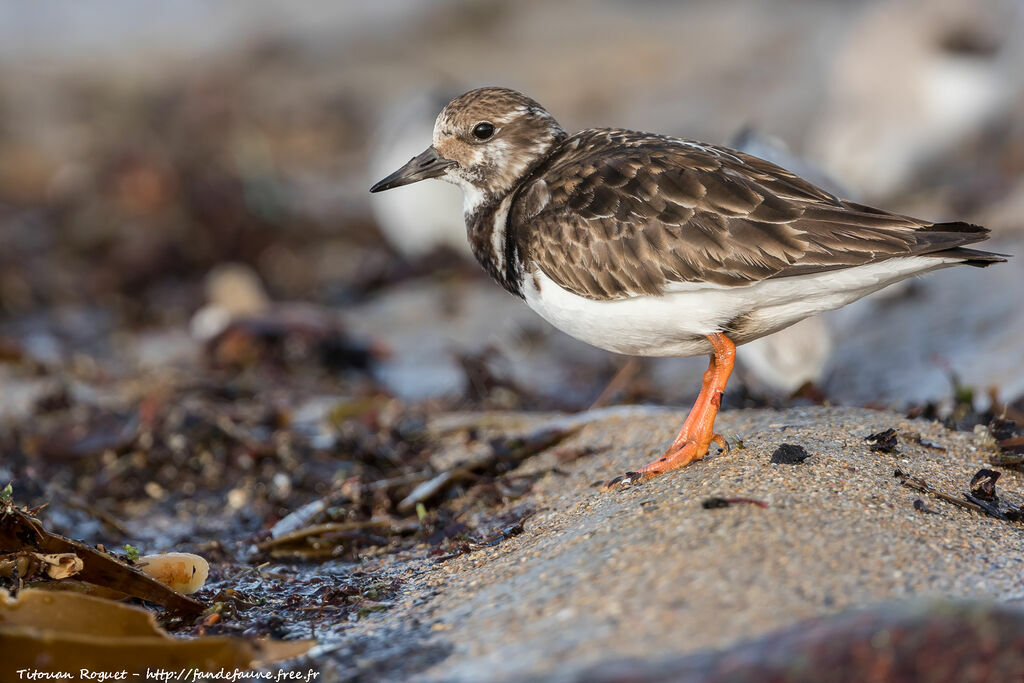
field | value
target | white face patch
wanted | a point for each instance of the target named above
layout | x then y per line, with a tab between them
472	197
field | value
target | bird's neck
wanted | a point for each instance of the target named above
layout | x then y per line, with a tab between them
495	245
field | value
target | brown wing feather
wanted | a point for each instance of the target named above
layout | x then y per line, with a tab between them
627	213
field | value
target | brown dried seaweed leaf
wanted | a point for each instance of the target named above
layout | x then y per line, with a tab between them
68	631
19	531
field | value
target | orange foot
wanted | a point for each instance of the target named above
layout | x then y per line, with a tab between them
698	432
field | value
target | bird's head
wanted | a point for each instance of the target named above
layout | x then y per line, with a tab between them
485	141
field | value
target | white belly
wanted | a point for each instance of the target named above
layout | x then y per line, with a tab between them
677	322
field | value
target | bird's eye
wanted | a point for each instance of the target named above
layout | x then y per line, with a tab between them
483	130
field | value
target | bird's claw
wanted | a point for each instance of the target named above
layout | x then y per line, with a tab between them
623	481
722	443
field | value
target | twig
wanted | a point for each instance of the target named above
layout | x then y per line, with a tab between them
342	528
504	452
924	487
712	503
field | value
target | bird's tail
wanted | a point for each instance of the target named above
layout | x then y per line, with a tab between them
974	257
965	233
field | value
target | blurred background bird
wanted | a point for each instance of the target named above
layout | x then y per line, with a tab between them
911	81
421	221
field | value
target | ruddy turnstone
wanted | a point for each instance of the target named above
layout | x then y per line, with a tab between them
650	245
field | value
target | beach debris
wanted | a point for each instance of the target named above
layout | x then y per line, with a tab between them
104	432
1010	440
918	484
486	371
67	631
503	534
240	326
983	493
990	509
471	543
715	503
21	532
300	518
790	454
289	334
1008	460
884	441
983	485
1003	430
28	566
921	506
505	454
183	572
927	443
331	539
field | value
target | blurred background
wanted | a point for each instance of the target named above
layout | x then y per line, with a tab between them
183	190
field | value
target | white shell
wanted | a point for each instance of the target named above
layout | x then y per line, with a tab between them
183	572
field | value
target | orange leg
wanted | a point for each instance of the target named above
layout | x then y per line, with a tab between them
698	432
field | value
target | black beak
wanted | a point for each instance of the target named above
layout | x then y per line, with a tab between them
429	164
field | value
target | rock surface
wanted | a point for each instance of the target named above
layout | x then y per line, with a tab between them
649	573
895	643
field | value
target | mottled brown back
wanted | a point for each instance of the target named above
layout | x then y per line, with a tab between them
614	213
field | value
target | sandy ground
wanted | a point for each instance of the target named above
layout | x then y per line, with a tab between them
648	572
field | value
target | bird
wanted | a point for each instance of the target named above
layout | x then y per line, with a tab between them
651	245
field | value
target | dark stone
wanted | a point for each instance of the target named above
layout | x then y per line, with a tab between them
790	454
